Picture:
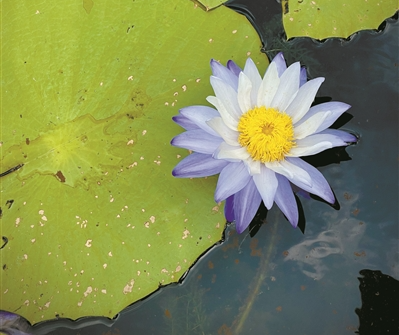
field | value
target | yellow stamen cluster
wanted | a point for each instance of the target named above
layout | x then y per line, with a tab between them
267	134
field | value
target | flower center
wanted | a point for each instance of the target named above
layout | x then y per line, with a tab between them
267	134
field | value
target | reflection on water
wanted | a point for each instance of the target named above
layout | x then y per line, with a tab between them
341	236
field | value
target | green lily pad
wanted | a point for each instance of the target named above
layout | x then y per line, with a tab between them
92	219
321	19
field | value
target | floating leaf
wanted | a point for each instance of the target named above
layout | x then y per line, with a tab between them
321	19
92	219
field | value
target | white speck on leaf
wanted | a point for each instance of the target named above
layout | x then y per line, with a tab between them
88	291
129	287
185	234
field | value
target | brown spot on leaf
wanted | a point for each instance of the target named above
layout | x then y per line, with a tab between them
210	265
59	175
279	309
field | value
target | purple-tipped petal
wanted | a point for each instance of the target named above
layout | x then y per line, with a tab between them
335	108
285	200
316	143
301	192
244	93
266	183
300	105
197	140
268	86
251	71
229	209
232	179
291	171
233	67
246	204
280	63
288	88
303	77
198	165
199	115
320	186
310	126
222	72
182	121
227	96
341	134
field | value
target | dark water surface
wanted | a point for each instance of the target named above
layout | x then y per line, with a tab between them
282	281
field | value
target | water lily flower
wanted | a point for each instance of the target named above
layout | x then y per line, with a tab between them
255	136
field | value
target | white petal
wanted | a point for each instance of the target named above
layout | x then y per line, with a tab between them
301	104
230	136
228	119
225	151
319	186
288	88
339	134
227	95
310	126
316	143
268	86
266	183
335	108
290	171
244	93
253	166
251	71
310	146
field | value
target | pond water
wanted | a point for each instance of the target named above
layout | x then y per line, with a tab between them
281	281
